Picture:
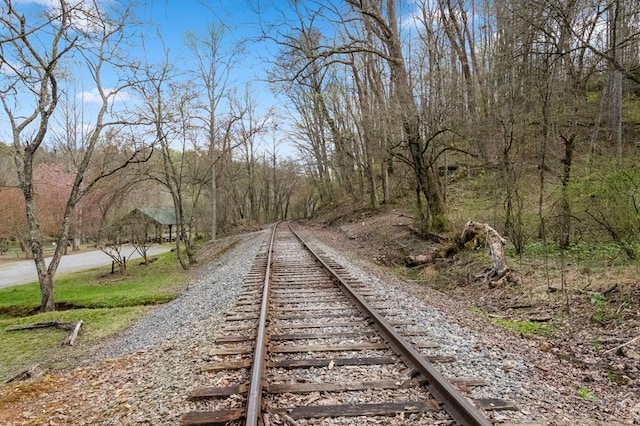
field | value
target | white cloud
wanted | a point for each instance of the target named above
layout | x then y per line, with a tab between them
84	14
416	11
8	68
410	21
50	4
93	96
55	4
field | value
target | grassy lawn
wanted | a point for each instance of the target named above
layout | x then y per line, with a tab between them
106	303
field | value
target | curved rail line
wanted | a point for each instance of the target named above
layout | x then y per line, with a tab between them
295	289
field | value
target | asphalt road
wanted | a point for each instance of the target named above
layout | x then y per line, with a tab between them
24	271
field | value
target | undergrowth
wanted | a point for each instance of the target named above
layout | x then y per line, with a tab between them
525	327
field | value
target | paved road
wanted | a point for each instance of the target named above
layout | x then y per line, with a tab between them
24	271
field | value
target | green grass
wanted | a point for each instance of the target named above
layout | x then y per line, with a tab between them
25	347
617	377
602	313
412	274
579	250
524	327
106	303
586	394
97	288
518	326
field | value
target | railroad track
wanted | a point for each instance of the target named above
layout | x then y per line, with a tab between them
308	344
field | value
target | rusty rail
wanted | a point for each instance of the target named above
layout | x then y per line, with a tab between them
458	407
254	398
447	396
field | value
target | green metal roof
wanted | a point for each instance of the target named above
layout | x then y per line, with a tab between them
164	216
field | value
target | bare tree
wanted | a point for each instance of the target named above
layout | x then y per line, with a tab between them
252	126
623	25
381	18
111	242
213	67
185	167
312	137
34	48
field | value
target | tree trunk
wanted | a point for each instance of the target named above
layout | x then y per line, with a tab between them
565	202
371	177
77	231
368	129
423	167
617	33
214	202
386	191
45	279
76	242
616	114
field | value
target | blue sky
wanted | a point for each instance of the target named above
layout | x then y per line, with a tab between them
172	19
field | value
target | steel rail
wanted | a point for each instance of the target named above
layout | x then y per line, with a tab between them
254	397
458	407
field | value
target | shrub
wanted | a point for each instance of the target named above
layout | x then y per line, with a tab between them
610	199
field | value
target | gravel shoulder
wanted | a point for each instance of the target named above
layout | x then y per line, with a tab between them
544	387
143	375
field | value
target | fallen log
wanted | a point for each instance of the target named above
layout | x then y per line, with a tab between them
522	306
55	323
420	259
541	318
473	236
27	373
622	345
71	340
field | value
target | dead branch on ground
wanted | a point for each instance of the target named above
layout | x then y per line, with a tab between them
74	327
71	340
622	345
474	235
24	374
55	323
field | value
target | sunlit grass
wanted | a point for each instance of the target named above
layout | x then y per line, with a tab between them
24	347
97	288
525	327
106	303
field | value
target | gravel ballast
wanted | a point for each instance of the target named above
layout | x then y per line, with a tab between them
144	375
544	388
210	292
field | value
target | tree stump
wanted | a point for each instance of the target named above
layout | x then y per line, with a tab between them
482	232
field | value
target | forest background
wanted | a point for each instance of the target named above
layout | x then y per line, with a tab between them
522	114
